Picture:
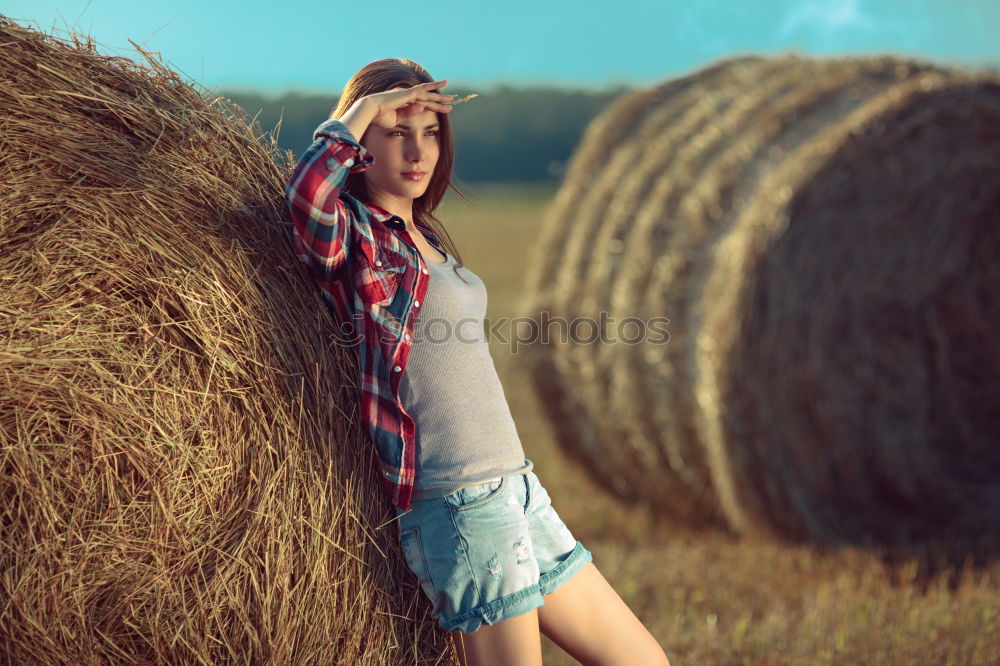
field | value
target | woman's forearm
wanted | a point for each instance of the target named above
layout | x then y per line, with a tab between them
359	117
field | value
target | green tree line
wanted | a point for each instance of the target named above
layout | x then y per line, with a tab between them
505	135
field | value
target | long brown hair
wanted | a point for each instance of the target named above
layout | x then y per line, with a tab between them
387	74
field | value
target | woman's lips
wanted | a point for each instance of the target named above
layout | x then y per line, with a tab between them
413	175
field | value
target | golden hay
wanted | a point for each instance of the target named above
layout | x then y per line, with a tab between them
184	480
817	233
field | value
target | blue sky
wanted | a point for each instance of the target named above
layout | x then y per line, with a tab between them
311	45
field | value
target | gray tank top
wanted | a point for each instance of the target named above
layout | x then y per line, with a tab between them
465	432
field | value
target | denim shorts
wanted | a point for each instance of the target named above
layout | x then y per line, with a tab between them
488	552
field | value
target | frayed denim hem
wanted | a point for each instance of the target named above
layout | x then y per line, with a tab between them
522	601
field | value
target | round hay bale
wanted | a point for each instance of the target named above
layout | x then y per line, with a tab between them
801	223
180	475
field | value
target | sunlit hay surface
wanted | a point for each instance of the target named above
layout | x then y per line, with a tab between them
820	236
184	479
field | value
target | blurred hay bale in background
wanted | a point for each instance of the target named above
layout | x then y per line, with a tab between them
822	236
181	472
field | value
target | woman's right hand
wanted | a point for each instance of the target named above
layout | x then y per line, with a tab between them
392	106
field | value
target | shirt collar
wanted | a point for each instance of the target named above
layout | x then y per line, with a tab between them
396	222
382	215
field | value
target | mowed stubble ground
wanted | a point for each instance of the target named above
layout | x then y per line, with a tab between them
707	598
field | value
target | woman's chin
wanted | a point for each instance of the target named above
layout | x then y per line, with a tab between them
416	190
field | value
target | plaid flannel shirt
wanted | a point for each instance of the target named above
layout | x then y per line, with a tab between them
373	279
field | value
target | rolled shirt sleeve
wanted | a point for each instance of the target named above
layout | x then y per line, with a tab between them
321	222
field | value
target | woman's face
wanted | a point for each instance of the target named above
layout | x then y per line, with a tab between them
412	145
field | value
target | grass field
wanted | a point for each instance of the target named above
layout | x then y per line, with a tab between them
707	598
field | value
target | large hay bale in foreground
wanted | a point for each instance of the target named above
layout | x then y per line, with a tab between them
183	477
822	236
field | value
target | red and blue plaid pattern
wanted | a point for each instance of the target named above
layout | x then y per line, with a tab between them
373	279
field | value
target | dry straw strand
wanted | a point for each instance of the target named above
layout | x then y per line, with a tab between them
463	99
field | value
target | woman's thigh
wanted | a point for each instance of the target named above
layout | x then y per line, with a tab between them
513	641
587	619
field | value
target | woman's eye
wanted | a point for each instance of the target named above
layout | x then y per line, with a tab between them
400	132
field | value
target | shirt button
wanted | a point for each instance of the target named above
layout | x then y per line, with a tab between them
396	368
378	262
416	303
331	164
349	162
424	271
407	336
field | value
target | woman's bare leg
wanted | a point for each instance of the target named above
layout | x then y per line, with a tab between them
512	642
587	619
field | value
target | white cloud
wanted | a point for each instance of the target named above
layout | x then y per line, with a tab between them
827	16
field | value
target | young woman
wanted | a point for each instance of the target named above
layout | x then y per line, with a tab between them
476	527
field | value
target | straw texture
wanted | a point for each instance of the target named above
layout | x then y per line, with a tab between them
816	231
183	477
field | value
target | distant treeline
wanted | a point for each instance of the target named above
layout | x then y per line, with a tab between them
505	135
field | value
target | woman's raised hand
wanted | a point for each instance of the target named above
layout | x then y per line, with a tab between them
392	106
